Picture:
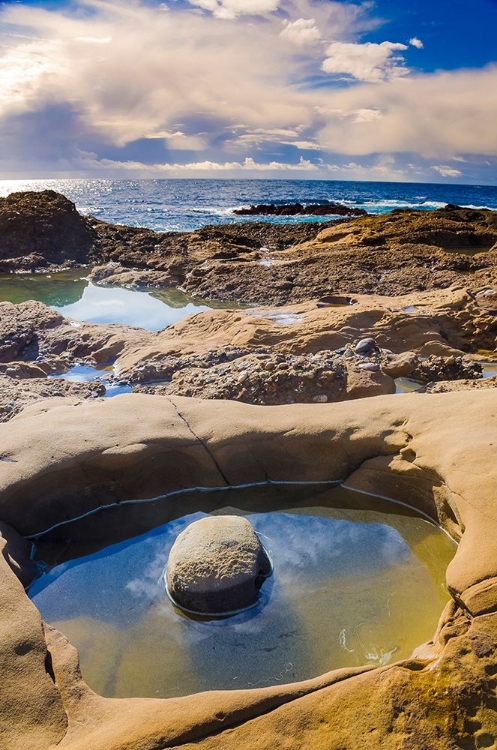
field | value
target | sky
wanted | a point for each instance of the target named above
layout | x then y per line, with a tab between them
318	89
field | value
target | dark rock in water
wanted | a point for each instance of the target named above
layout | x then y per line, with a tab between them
364	346
216	566
297	209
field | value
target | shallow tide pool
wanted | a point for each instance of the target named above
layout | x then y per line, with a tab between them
356	580
74	296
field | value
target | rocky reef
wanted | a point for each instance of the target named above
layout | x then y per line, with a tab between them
297	209
351	306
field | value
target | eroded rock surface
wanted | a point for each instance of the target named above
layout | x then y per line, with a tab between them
436	450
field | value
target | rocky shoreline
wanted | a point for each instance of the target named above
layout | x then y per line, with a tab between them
258	263
344	308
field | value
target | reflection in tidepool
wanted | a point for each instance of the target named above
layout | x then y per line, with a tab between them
356	580
88	374
75	296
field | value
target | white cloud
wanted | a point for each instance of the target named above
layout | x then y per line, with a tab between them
415	42
179	141
94	39
366	62
247	165
229	9
446	171
301	32
433	115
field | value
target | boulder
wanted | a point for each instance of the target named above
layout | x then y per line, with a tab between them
216	566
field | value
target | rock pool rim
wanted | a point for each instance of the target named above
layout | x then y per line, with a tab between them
222	615
226	488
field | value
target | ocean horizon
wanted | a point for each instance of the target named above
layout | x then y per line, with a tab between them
183	204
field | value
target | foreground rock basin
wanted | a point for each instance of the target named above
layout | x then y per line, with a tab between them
436	452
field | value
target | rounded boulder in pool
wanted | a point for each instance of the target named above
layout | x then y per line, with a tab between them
216	566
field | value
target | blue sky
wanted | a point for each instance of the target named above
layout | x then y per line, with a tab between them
384	90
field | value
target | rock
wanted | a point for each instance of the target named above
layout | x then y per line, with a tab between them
39	229
401	366
436	450
392	254
369	366
364	346
296	209
436	369
216	566
335	300
17	552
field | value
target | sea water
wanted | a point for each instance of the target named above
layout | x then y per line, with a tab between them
184	205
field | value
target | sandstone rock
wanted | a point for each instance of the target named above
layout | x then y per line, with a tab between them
216	566
17	552
401	366
438	450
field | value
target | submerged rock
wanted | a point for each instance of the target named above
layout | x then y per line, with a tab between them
216	566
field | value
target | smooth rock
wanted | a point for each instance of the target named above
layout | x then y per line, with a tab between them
216	566
364	346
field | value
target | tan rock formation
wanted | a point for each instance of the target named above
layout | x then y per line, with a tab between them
437	452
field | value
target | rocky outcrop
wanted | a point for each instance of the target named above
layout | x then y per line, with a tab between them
434	451
42	229
260	262
216	566
297	209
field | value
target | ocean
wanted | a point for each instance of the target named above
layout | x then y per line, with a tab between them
182	205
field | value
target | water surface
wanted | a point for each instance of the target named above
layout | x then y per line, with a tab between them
74	296
356	581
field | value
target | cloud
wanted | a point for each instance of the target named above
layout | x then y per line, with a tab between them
229	9
446	171
301	32
124	81
415	42
179	141
457	116
94	39
248	165
366	62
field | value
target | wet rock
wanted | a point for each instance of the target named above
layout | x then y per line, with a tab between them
297	209
216	566
390	254
364	346
369	366
436	369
